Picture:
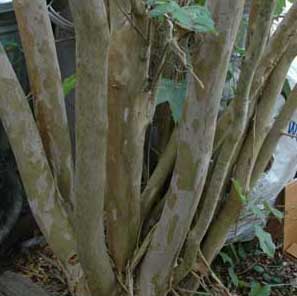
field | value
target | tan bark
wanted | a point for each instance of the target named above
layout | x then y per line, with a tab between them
263	114
193	153
45	79
260	32
42	193
92	41
275	49
129	114
156	182
231	209
275	133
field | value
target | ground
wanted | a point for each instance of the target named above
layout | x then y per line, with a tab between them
237	267
252	265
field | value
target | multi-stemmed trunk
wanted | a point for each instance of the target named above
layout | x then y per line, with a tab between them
112	234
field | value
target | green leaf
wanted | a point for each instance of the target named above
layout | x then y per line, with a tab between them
241	252
69	84
233	276
195	18
257	212
276	280
266	277
240	51
259	290
165	7
226	258
174	93
239	192
280	5
275	212
259	269
265	240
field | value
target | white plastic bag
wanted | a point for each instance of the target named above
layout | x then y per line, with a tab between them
282	171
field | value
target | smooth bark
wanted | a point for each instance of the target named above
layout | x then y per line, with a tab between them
42	193
92	45
129	110
46	86
260	31
193	153
277	130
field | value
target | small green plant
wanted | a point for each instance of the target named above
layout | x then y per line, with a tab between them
266	243
195	18
231	269
69	84
258	290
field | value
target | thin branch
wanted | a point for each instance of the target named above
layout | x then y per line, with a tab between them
275	133
39	184
126	14
155	184
193	156
275	49
222	167
46	86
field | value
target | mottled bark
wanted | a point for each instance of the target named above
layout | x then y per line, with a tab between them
195	140
161	173
260	32
46	86
92	44
274	50
263	117
129	114
275	133
40	186
231	209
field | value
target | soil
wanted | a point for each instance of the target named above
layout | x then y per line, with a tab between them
40	266
252	265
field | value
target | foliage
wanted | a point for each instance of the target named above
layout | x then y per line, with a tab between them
265	240
266	243
280	6
69	84
194	18
259	290
174	93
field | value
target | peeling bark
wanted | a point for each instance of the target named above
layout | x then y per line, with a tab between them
195	139
274	50
231	209
275	133
41	190
92	41
129	111
213	192
263	115
46	86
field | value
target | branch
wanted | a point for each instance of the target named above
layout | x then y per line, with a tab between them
41	191
274	135
213	192
273	52
231	209
193	155
45	78
264	114
155	184
92	44
130	109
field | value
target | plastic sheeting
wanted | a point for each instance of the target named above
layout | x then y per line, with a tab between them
271	183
